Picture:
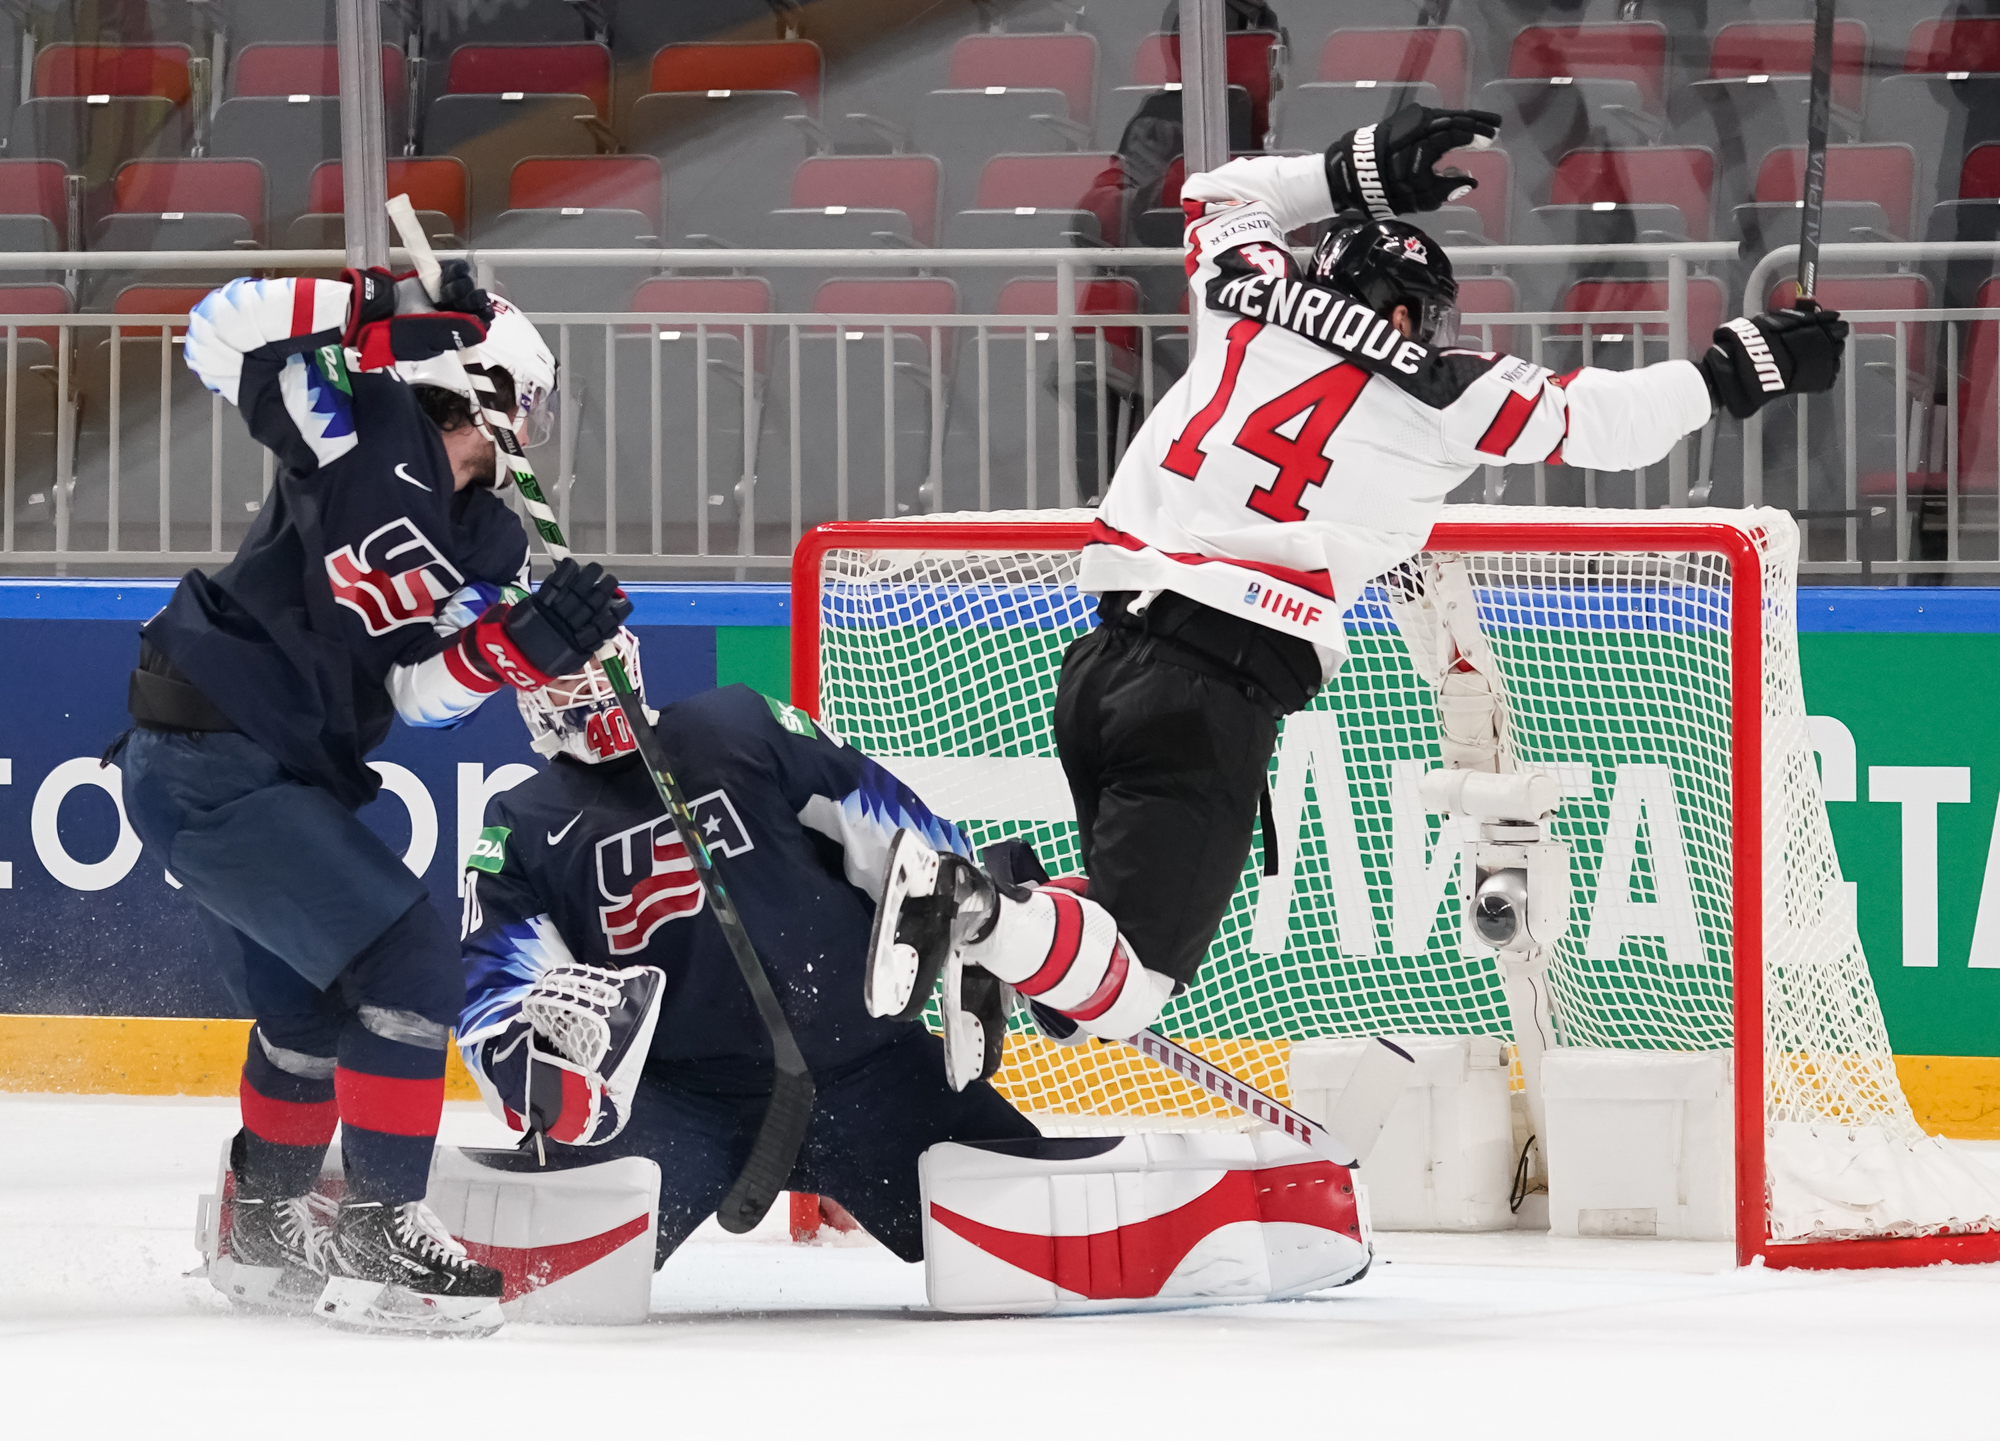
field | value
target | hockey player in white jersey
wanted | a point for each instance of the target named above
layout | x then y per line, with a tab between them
1309	449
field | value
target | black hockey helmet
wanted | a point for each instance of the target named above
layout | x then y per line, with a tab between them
1387	263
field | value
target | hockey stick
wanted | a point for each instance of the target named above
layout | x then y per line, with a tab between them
1346	1137
1819	116
783	1129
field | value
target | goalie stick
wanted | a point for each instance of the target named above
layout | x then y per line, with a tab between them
783	1129
1818	119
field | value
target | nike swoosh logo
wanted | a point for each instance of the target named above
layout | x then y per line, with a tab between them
403	473
555	837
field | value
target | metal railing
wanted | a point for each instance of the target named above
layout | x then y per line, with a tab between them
692	442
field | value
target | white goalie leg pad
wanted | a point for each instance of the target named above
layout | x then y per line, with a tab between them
575	1246
1063	950
1141	1222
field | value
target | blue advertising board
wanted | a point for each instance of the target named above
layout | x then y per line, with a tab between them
88	927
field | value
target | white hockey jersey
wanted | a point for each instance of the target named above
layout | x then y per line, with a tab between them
1310	446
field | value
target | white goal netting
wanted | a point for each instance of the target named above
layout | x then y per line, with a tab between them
944	664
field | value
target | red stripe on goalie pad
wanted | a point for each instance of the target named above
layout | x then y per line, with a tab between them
393	1105
529	1268
287	1123
1136	1260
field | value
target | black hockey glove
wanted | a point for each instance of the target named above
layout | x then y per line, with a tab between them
457	293
381	325
1781	352
554	631
1389	168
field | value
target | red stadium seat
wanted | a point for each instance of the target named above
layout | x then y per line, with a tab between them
35	187
1066	61
1487	295
1251	55
1440	55
151	187
1952	45
1979	177
278	69
794	65
157	300
1633	50
590	182
580	68
1494	172
705	295
432	183
1705	305
1030	296
894	295
1682	175
1869	292
1062	181
73	70
1750	47
17	299
1885	174
909	183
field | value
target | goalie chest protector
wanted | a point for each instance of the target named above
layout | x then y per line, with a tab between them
1124	1223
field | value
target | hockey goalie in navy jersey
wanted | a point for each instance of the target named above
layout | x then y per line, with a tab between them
376	583
603	1013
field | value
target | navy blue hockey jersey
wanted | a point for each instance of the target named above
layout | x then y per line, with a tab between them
321	629
582	864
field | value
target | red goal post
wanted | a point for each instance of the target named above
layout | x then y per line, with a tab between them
1740	546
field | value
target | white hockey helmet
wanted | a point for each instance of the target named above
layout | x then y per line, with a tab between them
512	344
579	715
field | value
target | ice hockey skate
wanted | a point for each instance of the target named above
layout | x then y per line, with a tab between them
931	903
396	1269
272	1258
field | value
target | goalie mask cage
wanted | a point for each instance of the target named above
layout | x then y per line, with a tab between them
1651	666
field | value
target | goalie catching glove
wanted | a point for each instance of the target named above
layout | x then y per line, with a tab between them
1781	352
568	1065
940	915
1390	168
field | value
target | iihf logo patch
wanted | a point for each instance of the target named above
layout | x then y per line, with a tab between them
1250	595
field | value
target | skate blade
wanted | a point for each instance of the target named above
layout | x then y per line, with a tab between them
264	1288
377	1308
912	870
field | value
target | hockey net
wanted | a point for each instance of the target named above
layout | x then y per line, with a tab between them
935	644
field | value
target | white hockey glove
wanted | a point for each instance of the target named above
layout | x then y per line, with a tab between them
592	1029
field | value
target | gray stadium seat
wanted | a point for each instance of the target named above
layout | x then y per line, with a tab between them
289	134
729	157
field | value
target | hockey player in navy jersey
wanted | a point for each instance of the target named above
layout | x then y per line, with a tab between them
369	587
603	1012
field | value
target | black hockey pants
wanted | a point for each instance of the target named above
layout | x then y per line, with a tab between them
1166	756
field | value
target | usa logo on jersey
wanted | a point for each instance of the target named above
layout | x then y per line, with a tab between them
395	577
646	878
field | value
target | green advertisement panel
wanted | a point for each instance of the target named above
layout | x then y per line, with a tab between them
1908	732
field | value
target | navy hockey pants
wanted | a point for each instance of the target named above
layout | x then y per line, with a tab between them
327	939
871	1120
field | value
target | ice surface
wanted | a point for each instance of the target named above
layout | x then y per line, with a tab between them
1517	1335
